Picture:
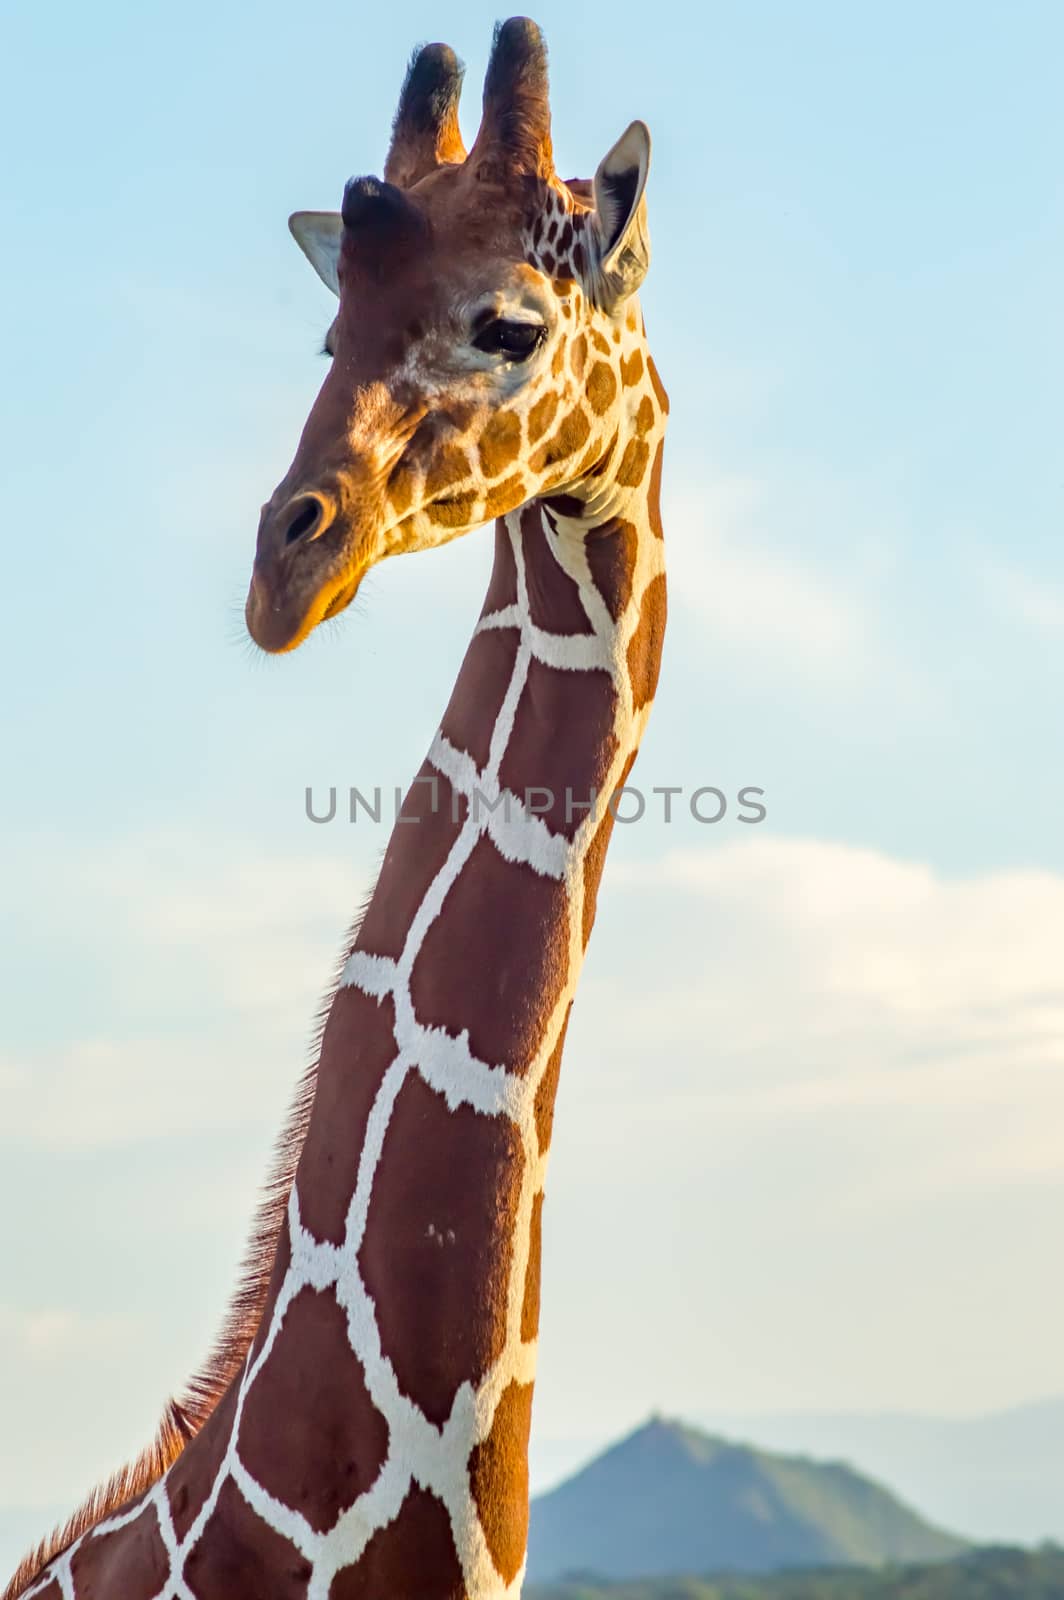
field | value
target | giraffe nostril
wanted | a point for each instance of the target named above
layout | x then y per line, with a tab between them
307	517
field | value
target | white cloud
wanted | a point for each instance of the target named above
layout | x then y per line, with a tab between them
67	1417
45	1336
1033	602
211	963
810	1140
732	561
822	976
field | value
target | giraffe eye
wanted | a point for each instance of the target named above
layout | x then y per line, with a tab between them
514	340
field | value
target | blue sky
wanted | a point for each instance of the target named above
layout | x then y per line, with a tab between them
838	1075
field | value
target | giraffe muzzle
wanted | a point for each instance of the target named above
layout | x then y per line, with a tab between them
299	576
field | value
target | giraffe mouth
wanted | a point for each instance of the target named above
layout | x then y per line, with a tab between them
279	623
342	599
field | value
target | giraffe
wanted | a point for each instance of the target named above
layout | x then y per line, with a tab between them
362	1427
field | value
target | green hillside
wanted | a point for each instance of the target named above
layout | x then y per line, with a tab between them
671	1499
979	1575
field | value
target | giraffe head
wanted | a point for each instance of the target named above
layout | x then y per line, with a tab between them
486	346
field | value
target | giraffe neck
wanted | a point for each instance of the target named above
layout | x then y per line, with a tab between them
412	1265
440	1060
377	1439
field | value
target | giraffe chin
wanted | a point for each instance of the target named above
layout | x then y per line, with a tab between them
341	600
280	628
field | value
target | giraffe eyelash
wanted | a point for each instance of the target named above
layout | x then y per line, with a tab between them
512	339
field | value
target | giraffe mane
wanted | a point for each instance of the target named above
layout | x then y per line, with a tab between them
186	1414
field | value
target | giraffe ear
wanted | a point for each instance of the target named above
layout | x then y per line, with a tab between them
318	235
621	217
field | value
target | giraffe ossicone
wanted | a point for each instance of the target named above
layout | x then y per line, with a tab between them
362	1427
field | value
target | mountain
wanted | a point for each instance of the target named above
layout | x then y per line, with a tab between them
998	1477
670	1499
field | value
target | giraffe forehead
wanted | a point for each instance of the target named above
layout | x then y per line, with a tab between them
503	288
441	290
473	241
471	223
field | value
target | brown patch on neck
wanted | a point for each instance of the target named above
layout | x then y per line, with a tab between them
131	1562
498	1471
563	740
530	1302
611	556
433	815
282	1261
654	497
413	1558
357	1050
644	647
438	1244
474	706
553	597
500	917
192	1476
659	387
310	1434
548	1088
644	417
239	1554
632	369
633	465
502	589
